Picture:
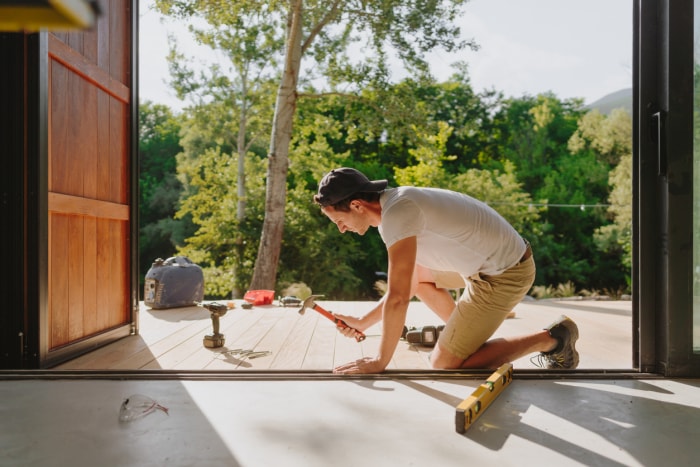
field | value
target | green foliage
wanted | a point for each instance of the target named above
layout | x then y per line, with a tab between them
561	290
159	189
313	250
226	133
321	32
617	237
536	160
610	138
566	170
501	190
159	142
222	245
429	156
313	253
532	133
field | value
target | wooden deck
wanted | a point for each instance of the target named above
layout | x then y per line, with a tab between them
173	339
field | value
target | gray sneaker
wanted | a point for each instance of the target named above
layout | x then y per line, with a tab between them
564	356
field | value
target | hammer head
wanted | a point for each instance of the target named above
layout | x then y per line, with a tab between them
309	302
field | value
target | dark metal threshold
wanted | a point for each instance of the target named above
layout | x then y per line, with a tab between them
311	375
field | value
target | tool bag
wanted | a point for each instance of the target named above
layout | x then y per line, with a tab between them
173	283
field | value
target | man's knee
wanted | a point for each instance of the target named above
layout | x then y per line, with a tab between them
442	359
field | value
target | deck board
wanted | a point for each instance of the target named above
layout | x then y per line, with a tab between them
295	346
173	339
319	355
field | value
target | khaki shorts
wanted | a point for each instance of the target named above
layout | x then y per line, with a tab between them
483	306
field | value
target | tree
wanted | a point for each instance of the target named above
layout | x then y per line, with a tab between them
323	32
247	44
313	252
239	97
499	189
208	169
159	143
410	29
546	139
429	157
611	138
222	244
617	236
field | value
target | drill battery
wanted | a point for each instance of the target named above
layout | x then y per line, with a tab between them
424	335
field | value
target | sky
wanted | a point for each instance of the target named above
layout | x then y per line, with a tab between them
572	48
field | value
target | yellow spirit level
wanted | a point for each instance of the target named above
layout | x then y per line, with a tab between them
471	408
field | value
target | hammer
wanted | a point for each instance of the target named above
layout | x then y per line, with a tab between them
310	302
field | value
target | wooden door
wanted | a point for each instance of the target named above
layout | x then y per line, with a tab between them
89	184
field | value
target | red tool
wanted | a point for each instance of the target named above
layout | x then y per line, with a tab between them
310	302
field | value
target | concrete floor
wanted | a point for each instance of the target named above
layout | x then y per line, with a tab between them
603	417
350	421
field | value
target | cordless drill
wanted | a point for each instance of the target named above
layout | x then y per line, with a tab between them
216	311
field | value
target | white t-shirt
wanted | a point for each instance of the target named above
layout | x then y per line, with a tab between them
454	231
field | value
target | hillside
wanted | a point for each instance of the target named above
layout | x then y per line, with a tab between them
614	100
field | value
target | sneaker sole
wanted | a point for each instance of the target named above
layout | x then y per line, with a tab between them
573	333
569	324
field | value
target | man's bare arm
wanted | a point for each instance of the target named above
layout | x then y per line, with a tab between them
402	259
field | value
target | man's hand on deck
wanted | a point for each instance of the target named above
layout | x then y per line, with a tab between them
364	365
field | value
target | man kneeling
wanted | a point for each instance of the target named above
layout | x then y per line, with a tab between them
438	240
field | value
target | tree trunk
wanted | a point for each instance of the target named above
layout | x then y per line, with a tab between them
241	179
265	272
241	148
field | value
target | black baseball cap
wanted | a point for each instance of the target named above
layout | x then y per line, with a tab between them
339	184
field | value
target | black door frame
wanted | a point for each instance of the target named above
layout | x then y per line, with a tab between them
663	188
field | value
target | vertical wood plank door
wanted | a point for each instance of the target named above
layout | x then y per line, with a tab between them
89	172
